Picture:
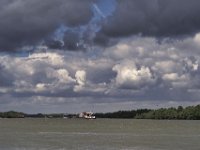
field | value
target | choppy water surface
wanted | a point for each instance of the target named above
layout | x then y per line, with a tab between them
99	134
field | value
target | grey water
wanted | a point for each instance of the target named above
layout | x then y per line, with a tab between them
99	134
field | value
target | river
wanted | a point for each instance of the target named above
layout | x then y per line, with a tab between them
99	134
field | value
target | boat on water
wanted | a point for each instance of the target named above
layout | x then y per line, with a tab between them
87	115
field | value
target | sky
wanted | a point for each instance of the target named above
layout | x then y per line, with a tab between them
98	55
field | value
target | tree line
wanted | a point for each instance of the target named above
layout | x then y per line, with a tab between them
180	113
12	114
15	114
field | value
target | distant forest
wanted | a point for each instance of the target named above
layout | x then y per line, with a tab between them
180	113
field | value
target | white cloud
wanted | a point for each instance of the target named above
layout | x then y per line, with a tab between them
171	76
40	87
80	80
48	57
191	63
177	81
197	38
137	69
166	66
80	77
63	76
130	76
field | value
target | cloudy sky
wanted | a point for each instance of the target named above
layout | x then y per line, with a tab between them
98	55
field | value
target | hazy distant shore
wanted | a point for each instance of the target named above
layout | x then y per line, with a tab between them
180	113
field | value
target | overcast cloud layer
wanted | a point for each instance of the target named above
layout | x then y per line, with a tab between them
154	18
75	55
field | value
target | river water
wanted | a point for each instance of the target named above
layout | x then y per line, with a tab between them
99	134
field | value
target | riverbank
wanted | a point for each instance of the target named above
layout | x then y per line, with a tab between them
179	113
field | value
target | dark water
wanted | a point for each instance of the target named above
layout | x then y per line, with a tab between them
99	134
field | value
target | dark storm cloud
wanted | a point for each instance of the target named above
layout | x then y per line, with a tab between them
28	22
53	44
153	18
71	41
